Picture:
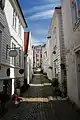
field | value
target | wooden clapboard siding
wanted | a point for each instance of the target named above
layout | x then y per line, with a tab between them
6	39
60	49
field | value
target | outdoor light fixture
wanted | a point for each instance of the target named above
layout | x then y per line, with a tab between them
54	52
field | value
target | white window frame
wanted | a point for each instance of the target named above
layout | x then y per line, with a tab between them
19	28
14	19
2	4
13	58
78	8
75	13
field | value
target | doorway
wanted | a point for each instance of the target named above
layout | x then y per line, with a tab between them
7	86
78	71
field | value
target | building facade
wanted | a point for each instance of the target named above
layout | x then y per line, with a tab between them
28	57
49	46
12	40
5	39
56	50
71	25
44	59
37	56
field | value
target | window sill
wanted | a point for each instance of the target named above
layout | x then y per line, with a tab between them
76	25
18	67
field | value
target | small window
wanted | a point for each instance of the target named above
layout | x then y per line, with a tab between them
78	4
75	11
19	28
14	18
2	4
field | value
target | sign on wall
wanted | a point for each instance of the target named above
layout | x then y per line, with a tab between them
13	53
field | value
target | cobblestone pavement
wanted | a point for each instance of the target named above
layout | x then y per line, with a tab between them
40	105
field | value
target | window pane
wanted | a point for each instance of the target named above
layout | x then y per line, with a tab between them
13	17
15	21
78	3
19	28
74	12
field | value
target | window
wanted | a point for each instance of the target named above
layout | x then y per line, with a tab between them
75	11
14	19
19	28
45	54
37	60
78	4
2	4
56	68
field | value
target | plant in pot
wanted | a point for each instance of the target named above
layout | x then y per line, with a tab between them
56	89
64	88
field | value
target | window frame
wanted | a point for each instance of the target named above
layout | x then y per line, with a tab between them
75	14
13	58
19	28
2	4
14	18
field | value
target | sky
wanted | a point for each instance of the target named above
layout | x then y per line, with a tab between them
38	14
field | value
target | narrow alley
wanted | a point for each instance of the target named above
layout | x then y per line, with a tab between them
41	105
40	60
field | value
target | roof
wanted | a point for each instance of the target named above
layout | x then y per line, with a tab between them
26	41
44	45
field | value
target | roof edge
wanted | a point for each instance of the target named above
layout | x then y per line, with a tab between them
21	13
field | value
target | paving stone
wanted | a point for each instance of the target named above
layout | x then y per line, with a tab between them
40	104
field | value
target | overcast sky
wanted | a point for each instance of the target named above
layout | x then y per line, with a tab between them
38	14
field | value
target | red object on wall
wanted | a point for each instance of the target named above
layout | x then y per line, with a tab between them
26	41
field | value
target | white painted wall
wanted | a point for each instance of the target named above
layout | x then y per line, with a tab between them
44	59
72	41
29	61
5	40
9	35
35	50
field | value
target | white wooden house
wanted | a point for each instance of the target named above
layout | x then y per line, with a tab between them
56	49
14	38
71	25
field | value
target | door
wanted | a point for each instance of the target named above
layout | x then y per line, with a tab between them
0	43
7	86
78	70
